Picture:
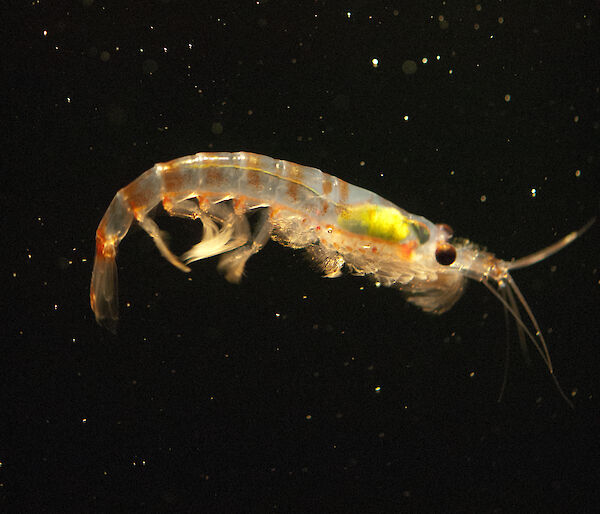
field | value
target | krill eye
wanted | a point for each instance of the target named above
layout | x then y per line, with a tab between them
445	254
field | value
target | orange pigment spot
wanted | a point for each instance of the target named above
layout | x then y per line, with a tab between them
253	178
343	191
203	202
104	250
214	177
292	191
239	205
137	211
167	202
406	250
172	179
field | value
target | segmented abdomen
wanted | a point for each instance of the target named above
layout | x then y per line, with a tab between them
245	176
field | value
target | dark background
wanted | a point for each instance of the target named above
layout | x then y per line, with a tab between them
263	396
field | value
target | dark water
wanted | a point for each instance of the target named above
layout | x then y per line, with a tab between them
290	392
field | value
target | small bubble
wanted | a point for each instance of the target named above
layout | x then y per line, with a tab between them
217	128
409	67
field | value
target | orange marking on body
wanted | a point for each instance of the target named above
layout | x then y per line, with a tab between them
327	186
167	202
104	249
254	178
203	202
239	205
292	191
325	207
137	210
343	191
214	176
99	245
172	178
406	250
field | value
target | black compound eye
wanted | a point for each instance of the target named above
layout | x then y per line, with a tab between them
445	254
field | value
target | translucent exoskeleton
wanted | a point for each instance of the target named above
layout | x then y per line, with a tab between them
342	226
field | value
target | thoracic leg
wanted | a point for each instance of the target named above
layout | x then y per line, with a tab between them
233	233
232	265
153	231
330	262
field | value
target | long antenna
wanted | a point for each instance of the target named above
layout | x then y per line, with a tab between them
540	255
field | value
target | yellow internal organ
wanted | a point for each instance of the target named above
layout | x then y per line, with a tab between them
377	221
